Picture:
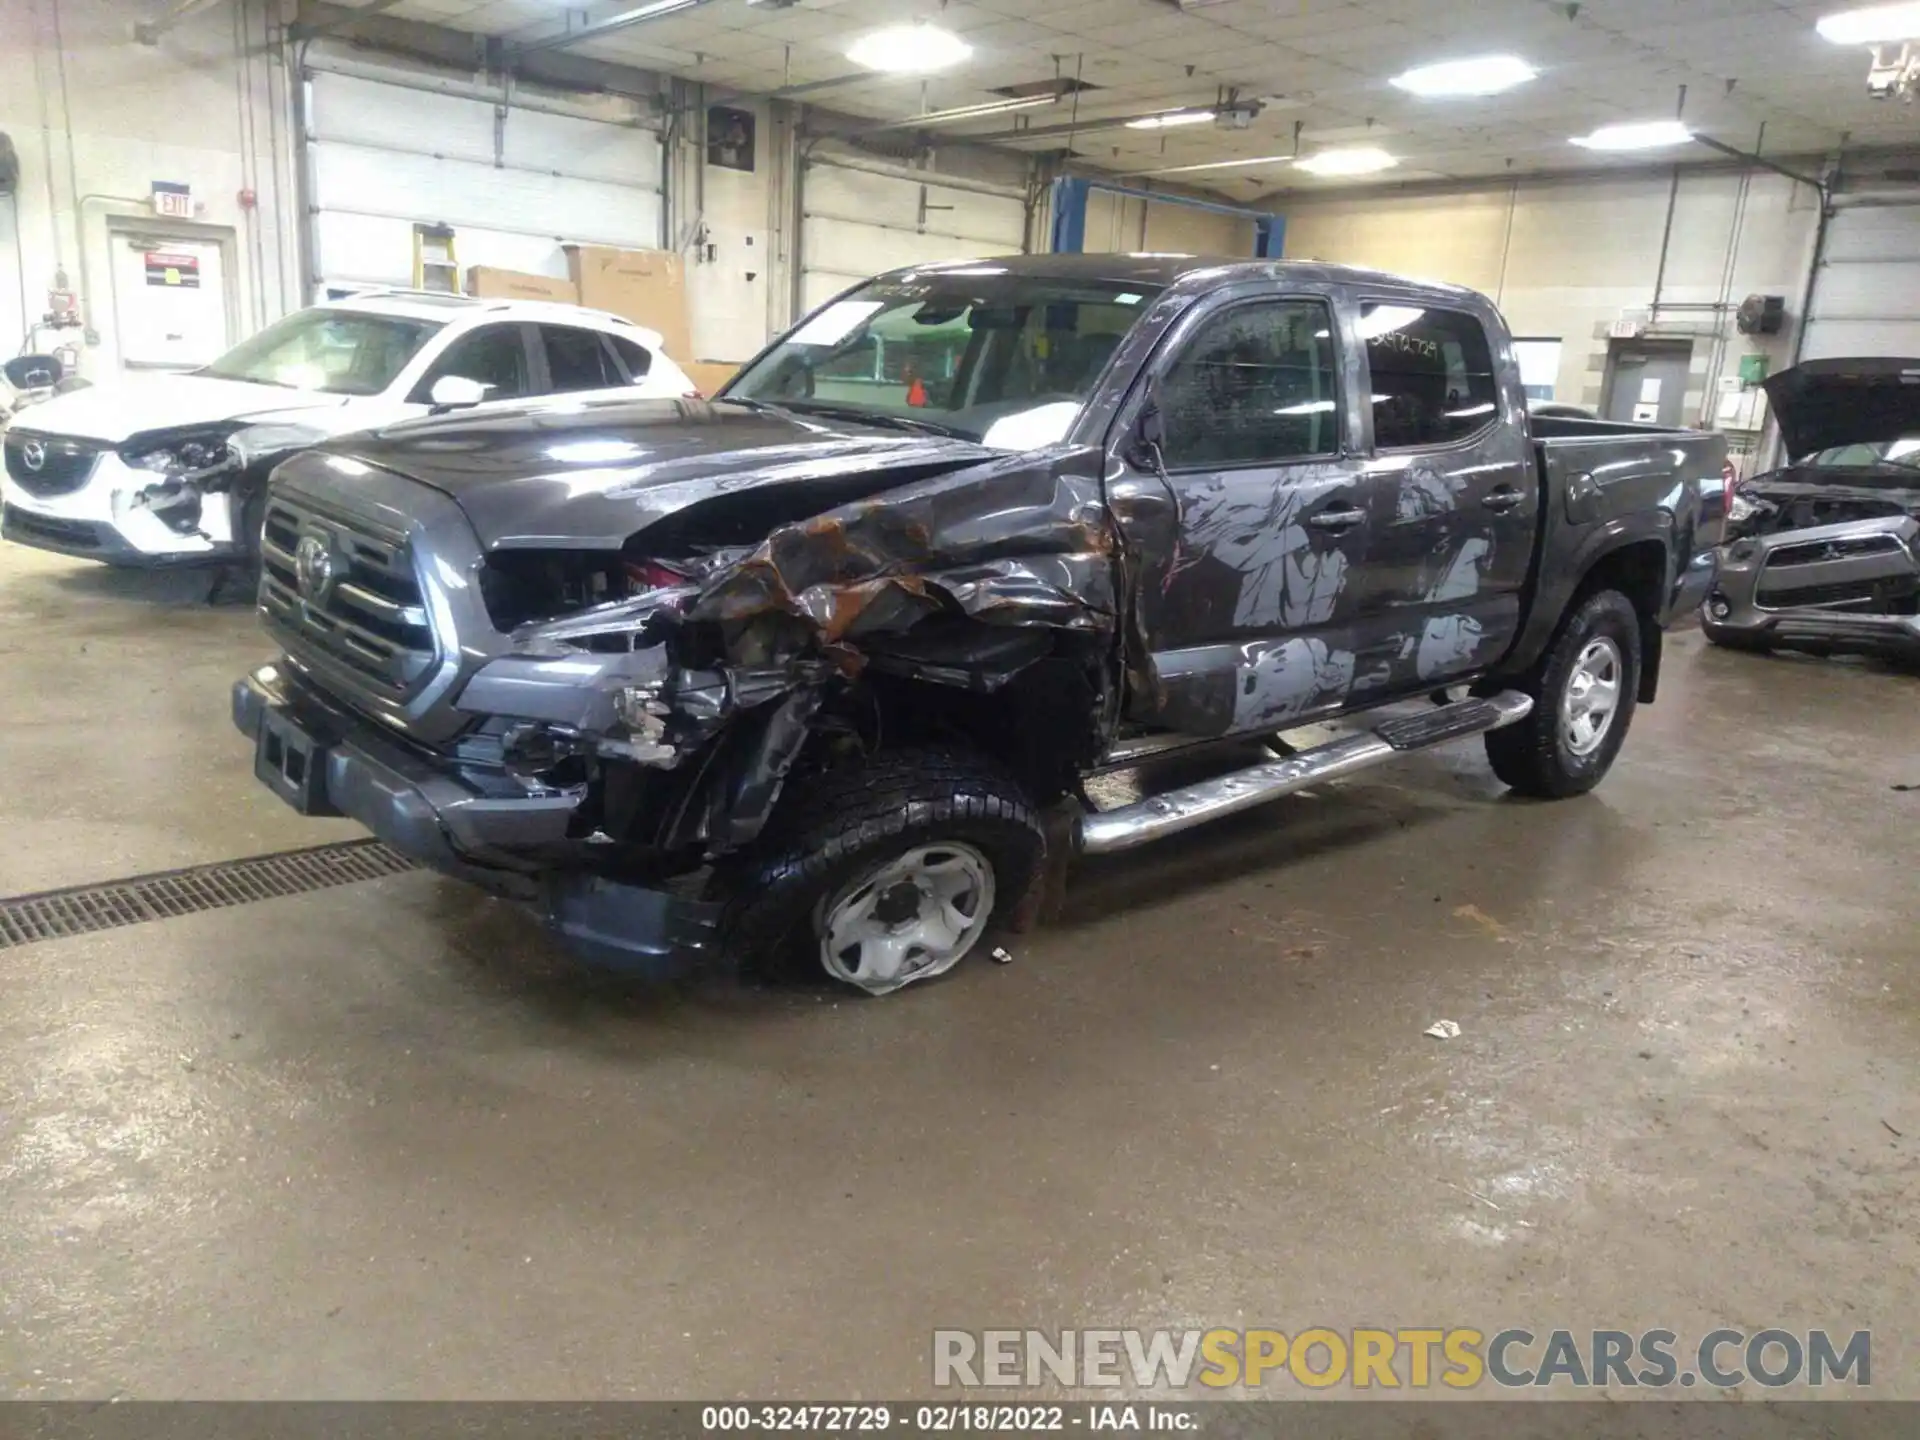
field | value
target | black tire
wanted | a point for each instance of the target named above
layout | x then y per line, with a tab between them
1536	756
830	829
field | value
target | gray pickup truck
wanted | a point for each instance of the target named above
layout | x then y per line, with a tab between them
821	669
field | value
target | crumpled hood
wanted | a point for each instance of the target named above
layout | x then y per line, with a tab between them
1824	403
589	474
119	409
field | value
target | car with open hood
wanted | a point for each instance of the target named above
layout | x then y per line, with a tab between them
1823	554
168	469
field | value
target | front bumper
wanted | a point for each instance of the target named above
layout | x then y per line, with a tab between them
105	518
1849	587
324	760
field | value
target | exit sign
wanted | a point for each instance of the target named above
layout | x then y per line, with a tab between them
175	201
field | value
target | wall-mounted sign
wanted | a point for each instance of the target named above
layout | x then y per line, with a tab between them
166	267
173	200
729	137
1624	329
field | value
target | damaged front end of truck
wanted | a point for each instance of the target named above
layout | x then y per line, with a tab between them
600	723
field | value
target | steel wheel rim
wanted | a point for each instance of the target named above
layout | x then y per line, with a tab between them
870	941
1592	696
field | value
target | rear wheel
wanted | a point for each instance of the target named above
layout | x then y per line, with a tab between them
1584	690
885	872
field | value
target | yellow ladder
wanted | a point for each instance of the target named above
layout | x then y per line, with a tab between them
436	261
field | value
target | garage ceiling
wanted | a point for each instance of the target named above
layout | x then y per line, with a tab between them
1323	63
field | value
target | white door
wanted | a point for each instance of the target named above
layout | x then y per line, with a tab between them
514	185
169	301
1866	293
854	223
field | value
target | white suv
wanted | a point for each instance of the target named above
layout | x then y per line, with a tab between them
159	469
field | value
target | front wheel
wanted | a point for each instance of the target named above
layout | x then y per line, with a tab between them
1584	690
885	872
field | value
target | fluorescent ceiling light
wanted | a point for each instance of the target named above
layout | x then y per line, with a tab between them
974	112
1361	160
1875	25
1643	135
1170	119
908	50
1224	165
1482	75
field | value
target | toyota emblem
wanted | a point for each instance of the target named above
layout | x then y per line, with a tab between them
33	455
313	568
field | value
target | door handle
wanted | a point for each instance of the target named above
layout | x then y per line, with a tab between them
1504	498
1343	518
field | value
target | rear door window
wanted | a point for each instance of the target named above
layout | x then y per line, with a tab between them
1432	375
494	355
1256	385
635	356
578	360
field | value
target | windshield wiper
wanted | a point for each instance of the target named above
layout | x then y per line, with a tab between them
881	418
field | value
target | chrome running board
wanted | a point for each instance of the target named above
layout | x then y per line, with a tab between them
1107	831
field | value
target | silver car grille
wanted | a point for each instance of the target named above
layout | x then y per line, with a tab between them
50	464
343	595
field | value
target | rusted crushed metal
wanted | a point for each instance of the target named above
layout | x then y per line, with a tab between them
1016	541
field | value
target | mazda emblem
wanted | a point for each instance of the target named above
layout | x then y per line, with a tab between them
313	568
33	455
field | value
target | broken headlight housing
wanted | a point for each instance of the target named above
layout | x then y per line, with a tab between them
181	454
1742	507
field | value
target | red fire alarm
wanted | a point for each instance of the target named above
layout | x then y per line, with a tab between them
248	199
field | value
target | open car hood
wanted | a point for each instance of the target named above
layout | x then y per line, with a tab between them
1824	403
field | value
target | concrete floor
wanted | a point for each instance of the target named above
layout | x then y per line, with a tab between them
383	1141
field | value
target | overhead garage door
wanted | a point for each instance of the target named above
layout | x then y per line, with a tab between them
1129	222
514	183
1866	293
856	222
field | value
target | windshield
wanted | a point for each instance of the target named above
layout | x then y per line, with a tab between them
1904	452
1008	360
340	352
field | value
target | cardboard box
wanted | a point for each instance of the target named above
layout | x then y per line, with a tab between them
488	282
709	375
648	287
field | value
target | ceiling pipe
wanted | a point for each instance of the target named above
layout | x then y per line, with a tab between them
1873	199
148	32
1081	126
599	29
1736	153
327	27
919	177
962	114
788	92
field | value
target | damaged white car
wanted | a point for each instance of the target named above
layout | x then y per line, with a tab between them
169	469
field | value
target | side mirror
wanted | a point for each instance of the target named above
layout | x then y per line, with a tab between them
455	392
33	372
1145	443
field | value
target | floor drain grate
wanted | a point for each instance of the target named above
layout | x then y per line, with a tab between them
55	914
